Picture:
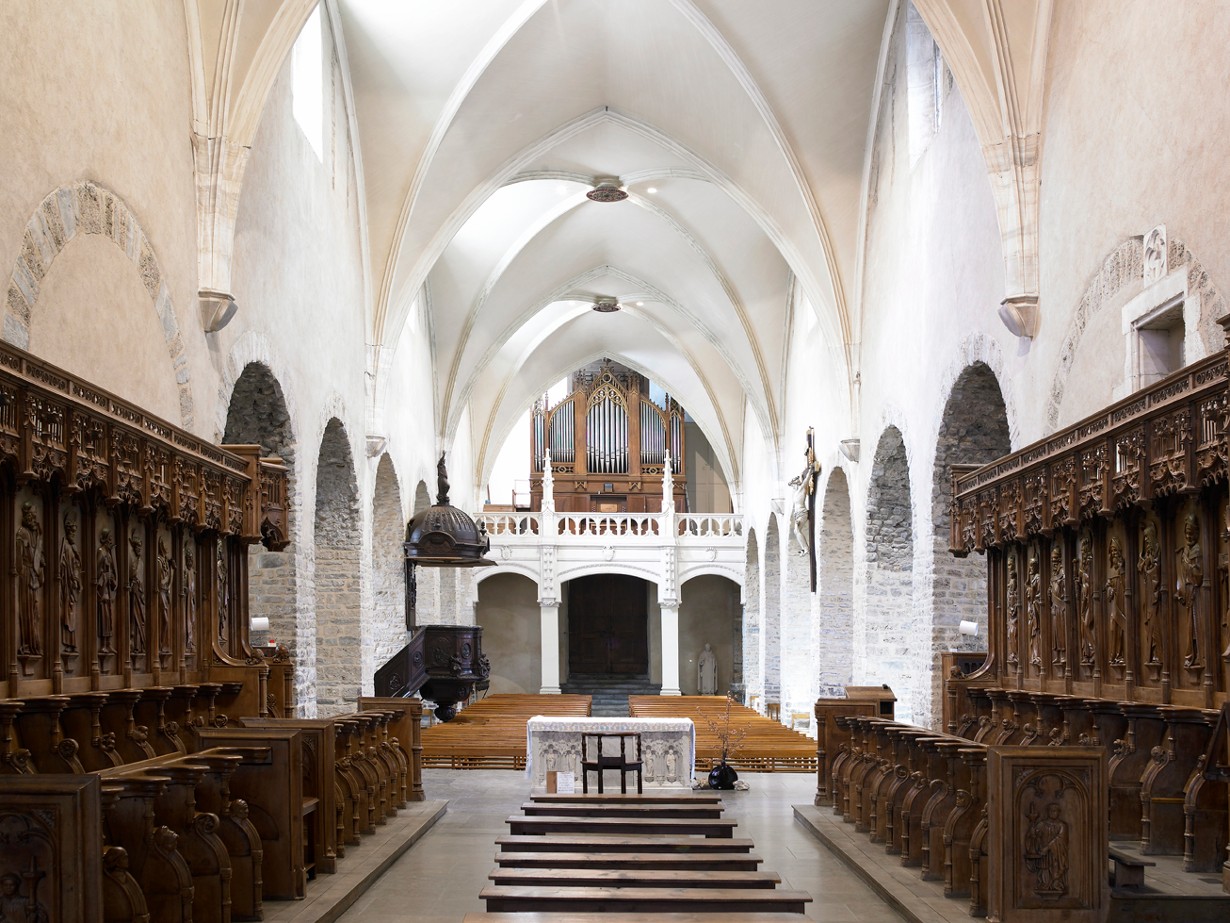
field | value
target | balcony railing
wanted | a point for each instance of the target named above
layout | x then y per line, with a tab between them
703	526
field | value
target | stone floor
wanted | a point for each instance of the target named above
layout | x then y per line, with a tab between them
438	879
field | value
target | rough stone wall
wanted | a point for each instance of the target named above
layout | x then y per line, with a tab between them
338	575
257	415
384	628
771	622
835	588
753	657
895	630
973	430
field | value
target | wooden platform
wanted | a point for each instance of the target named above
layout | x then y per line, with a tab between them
573	856
720	861
490	734
768	746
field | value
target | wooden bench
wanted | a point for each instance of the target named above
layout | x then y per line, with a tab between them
490	734
726	862
1127	871
634	878
701	826
642	900
633	844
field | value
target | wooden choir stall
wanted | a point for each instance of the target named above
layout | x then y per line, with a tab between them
151	768
1089	751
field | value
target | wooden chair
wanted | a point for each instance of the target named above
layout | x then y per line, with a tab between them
602	760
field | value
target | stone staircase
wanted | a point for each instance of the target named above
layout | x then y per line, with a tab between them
609	691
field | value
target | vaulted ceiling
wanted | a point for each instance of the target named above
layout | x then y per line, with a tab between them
738	136
738	129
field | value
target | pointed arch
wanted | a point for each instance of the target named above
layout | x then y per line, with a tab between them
89	208
973	430
337	633
384	626
892	628
835	588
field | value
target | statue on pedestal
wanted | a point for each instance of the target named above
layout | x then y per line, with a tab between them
706	671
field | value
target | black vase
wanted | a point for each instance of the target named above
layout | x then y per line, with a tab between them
722	777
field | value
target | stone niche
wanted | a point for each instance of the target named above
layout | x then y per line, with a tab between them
1048	838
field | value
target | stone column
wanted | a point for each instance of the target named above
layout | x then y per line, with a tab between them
549	613
670	649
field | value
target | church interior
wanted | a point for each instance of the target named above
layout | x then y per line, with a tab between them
859	368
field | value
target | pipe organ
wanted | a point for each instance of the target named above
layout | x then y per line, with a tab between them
609	439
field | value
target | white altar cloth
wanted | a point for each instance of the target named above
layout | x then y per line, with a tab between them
668	749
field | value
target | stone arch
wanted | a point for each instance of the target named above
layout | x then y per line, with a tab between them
510	617
753	682
709	613
1119	278
973	430
257	414
893	630
798	637
427	603
835	588
384	630
337	574
771	611
84	208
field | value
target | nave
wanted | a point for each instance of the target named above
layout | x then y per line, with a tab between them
438	880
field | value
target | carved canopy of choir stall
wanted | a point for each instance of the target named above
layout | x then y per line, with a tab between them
609	439
1108	597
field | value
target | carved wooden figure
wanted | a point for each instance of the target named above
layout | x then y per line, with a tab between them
107	582
1059	611
70	585
137	624
30	572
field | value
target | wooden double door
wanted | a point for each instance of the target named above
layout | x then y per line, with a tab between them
608	625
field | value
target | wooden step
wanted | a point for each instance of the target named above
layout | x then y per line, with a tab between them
718	917
681	797
607	809
700	826
642	900
633	878
718	862
635	844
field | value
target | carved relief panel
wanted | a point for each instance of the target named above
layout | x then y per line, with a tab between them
1047	837
50	848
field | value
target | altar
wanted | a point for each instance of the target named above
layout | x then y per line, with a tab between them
668	748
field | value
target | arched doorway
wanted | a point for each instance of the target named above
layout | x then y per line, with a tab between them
608	625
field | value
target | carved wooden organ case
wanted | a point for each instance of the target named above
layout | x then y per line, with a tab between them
609	440
1106	549
126	542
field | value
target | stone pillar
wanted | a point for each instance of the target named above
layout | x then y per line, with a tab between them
670	649
549	613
